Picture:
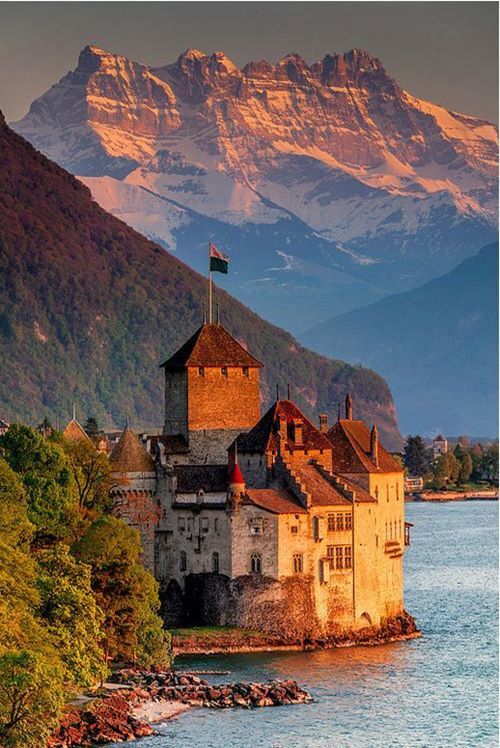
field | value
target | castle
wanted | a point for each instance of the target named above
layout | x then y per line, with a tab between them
263	522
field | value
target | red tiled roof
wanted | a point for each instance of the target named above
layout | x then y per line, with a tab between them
211	345
274	501
350	441
129	456
263	437
75	433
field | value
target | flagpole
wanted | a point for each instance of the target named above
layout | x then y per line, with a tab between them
209	288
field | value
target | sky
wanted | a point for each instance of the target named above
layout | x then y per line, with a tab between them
445	52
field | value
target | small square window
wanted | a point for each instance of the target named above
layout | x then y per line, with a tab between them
245	371
224	371
205	524
294	529
201	371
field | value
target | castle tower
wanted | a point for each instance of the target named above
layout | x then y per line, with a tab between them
134	492
211	393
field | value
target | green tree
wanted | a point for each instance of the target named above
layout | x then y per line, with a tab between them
91	473
31	686
466	466
445	470
68	609
125	592
415	459
46	476
91	426
31	698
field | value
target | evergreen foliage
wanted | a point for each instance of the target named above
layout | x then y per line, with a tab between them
89	308
415	457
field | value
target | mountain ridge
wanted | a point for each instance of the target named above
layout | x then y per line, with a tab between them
89	309
393	189
437	346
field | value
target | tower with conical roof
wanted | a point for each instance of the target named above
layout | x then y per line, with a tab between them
134	491
211	393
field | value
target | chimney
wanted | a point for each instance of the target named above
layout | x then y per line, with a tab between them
374	445
348	407
323	422
297	432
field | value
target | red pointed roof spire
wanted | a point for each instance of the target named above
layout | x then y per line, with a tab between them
236	477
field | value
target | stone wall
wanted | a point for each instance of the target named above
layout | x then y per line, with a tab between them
209	447
137	504
283	607
176	403
218	401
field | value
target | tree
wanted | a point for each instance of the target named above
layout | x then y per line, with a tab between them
445	470
91	426
91	474
415	459
125	592
31	687
69	611
31	699
466	466
43	468
489	463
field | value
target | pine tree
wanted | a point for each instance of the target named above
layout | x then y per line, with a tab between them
415	459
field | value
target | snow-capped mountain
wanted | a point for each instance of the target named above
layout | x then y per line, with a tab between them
325	178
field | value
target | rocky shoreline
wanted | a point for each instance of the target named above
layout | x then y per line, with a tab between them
121	715
399	628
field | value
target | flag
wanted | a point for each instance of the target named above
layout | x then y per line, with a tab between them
218	261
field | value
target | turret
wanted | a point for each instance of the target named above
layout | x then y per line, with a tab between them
348	407
374	445
236	488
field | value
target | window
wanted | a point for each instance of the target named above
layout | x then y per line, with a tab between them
245	371
205	524
183	561
216	524
215	562
330	552
256	526
224	371
297	563
339	524
201	371
339	557
294	529
190	525
331	522
181	524
255	563
348	557
348	522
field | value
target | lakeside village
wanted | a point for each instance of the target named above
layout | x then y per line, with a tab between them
235	530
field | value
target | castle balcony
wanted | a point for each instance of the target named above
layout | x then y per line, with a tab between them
393	549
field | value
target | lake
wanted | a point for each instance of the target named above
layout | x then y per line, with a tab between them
440	690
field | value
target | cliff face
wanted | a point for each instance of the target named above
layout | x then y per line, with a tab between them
316	169
89	308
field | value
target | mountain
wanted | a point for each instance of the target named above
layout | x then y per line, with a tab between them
89	308
327	181
437	346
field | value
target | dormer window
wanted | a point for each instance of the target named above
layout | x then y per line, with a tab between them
245	371
201	371
224	371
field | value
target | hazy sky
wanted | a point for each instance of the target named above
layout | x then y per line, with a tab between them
446	52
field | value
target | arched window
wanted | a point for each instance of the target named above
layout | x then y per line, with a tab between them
183	561
297	563
215	562
256	563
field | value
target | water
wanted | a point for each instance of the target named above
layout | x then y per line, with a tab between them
437	691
